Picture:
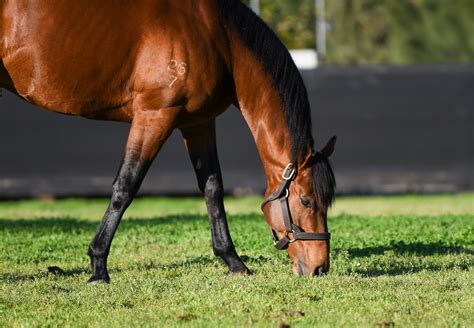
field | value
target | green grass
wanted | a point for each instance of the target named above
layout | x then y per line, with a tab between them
400	260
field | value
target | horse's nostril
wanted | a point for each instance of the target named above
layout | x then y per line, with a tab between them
319	271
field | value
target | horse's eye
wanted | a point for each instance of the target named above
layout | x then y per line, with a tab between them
306	202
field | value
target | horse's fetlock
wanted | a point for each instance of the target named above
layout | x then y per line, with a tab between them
223	251
95	254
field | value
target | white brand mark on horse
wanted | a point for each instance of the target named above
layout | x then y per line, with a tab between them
176	67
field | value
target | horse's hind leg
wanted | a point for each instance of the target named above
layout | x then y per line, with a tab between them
5	80
201	145
149	131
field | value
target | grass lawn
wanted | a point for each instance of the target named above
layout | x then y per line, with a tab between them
396	261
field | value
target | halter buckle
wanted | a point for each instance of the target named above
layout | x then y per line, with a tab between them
289	172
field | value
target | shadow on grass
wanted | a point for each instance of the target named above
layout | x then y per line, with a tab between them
43	225
196	261
150	266
199	260
14	277
68	224
417	249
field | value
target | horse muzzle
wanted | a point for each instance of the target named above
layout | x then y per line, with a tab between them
302	270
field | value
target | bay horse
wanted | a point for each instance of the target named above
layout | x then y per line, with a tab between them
163	65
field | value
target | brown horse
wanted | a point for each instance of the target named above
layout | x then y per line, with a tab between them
162	65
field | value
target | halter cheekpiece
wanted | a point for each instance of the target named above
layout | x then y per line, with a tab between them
292	231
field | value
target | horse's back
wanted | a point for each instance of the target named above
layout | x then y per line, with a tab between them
84	57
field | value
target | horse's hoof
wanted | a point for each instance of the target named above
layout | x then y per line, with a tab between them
97	280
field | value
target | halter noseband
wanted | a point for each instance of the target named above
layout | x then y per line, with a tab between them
292	231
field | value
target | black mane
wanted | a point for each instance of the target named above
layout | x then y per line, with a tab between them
324	182
277	62
273	54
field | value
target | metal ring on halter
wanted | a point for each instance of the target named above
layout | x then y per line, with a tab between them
292	172
290	240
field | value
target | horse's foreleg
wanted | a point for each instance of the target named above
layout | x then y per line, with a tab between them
149	131
201	145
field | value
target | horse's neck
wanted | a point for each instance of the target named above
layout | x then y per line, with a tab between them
263	111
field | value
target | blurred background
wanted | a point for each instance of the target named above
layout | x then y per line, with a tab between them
393	79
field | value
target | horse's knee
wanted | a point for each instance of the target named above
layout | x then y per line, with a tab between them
213	188
122	196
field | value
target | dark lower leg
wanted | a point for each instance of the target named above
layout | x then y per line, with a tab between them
125	187
221	240
149	131
202	149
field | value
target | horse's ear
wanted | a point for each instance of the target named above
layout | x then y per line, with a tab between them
329	148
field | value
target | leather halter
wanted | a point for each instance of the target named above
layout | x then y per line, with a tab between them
292	231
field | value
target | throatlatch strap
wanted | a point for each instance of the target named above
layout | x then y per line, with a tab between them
281	191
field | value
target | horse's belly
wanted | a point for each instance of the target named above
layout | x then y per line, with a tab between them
62	88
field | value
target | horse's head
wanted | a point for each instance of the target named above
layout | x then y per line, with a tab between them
297	212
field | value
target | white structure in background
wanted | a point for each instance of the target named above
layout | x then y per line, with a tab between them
321	28
305	58
255	5
308	58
